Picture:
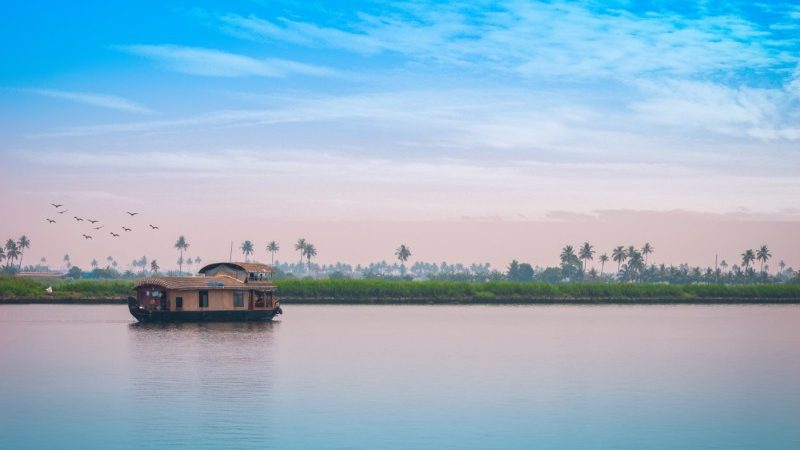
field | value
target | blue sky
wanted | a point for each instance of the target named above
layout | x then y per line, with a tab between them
511	110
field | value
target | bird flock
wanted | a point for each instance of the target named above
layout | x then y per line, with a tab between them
97	224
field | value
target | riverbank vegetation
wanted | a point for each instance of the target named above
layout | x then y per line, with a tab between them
396	291
378	291
19	287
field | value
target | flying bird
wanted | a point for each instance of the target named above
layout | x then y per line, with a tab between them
51	220
114	234
153	227
86	236
126	229
131	213
93	221
78	218
62	212
57	206
97	228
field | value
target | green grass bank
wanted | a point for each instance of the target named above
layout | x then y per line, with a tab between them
19	290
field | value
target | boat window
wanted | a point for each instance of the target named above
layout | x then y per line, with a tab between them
178	302
238	299
204	299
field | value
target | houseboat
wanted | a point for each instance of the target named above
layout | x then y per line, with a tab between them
222	292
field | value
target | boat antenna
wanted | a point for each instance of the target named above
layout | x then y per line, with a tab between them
230	256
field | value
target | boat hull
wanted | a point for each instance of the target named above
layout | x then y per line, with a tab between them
147	316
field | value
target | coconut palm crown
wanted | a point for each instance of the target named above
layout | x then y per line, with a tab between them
22	243
763	255
619	255
300	246
247	249
273	247
181	244
586	253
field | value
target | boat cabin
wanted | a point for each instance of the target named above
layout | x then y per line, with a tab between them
222	287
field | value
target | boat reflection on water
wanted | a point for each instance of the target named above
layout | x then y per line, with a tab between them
213	381
206	326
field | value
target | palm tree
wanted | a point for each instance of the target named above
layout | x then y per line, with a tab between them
22	243
2	254
723	264
272	247
646	250
300	246
143	263
154	266
748	257
570	264
586	253
197	260
402	254
603	261
189	264
247	249
567	254
782	265
181	244
67	261
12	252
635	263
763	255
109	260
619	255
310	251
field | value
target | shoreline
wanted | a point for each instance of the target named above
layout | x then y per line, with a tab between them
455	301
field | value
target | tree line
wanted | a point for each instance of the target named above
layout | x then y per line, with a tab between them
632	265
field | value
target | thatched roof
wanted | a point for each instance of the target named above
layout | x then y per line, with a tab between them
197	283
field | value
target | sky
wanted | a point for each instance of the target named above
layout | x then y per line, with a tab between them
470	131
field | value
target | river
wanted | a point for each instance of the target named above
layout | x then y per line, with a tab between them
397	377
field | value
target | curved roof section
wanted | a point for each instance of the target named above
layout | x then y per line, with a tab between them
248	267
180	283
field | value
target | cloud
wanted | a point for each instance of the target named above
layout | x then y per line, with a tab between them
216	63
302	33
549	39
765	114
94	99
794	84
654	123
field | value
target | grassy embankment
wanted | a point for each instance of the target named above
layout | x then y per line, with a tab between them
16	288
377	291
422	292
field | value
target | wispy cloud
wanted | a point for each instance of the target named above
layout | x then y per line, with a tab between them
766	114
217	63
94	99
540	38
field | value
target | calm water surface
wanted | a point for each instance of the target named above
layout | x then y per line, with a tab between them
551	377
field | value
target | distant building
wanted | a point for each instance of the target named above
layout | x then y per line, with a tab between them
42	276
